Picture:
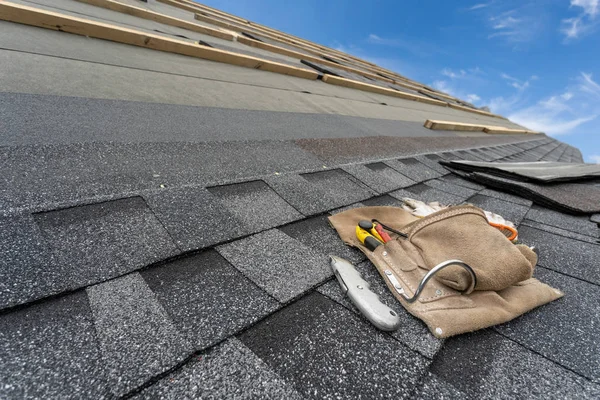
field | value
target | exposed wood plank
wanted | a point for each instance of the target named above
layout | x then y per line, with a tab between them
503	130
157	17
465	127
79	26
336	80
453	126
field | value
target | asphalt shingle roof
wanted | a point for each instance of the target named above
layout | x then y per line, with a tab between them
164	232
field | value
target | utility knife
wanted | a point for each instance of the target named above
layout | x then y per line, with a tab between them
358	290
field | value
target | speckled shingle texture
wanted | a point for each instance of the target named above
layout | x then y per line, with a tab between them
427	194
255	204
578	224
568	256
318	234
207	298
194	217
137	338
413	169
379	176
327	352
50	350
564	331
485	365
96	242
227	371
340	185
26	264
279	264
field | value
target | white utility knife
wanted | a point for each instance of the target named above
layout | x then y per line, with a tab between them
352	283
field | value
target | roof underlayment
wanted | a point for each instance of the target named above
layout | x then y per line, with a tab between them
163	218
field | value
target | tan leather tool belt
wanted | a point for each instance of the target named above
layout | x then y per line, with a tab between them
452	301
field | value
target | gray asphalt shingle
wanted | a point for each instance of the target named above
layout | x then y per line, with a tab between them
565	330
25	262
319	235
255	204
282	266
457	190
194	217
207	298
137	338
96	242
578	224
327	352
427	194
413	169
379	176
566	255
50	350
229	370
485	365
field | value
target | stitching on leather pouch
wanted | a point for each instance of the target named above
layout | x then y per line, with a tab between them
450	213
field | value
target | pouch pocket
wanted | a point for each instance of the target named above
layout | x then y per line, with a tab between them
463	233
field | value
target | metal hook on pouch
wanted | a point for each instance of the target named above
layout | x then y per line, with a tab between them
430	275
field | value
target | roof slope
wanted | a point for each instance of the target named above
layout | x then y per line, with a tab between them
163	224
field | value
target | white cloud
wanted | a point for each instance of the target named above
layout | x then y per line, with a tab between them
479	6
588	85
446	87
517	83
590	7
595	158
454	75
583	24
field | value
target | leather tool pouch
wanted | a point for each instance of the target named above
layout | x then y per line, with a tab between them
504	287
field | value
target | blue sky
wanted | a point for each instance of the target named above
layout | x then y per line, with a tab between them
537	63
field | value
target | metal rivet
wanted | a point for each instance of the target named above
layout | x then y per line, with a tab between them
438	292
359	286
384	253
388	272
439	331
397	286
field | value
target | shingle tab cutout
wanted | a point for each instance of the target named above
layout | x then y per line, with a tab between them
413	332
565	331
49	350
302	194
379	176
413	169
457	190
227	371
427	194
100	241
328	352
26	266
568	256
338	184
137	338
318	234
279	264
578	224
255	204
499	368
207	298
194	217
